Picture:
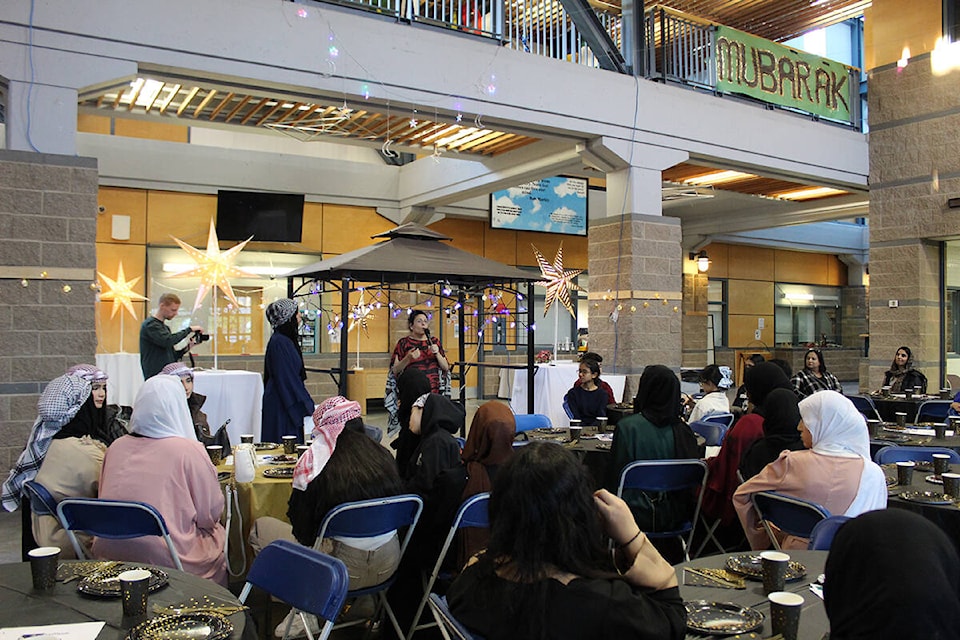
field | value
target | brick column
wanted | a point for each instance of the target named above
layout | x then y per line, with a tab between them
640	259
48	209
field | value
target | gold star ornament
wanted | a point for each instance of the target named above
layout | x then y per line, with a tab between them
214	268
557	280
121	292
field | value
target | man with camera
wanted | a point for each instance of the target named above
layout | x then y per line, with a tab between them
157	341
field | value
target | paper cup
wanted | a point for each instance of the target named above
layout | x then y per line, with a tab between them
874	427
939	431
774	565
134	587
901	419
574	432
785	610
602	424
905	473
43	567
215	451
885	391
302	449
289	444
246	438
941	463
951	485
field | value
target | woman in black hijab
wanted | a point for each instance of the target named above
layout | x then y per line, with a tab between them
411	384
781	415
654	432
892	574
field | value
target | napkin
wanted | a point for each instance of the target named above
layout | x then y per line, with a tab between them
78	631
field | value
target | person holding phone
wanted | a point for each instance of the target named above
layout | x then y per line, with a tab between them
420	350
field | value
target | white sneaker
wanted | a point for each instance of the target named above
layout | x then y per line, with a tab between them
297	629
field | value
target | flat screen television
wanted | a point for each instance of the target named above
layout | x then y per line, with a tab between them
550	205
268	217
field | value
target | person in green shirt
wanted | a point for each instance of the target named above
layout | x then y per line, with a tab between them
157	341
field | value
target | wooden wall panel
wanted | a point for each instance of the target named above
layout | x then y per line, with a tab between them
467	234
500	245
801	267
574	249
122	202
719	260
312	236
87	123
134	259
186	216
377	338
749	297
836	272
750	263
891	25
346	228
151	130
741	330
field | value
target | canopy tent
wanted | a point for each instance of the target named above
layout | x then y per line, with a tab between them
415	254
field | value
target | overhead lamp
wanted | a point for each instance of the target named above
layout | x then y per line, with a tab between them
702	260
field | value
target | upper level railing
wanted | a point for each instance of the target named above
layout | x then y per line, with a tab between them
677	49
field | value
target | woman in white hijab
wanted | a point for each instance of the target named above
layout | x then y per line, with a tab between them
162	463
835	471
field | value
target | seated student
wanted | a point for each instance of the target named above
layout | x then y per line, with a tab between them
739	405
489	446
892	574
587	401
342	465
714	382
902	376
781	416
162	463
547	572
596	357
654	432
195	403
835	471
74	425
410	386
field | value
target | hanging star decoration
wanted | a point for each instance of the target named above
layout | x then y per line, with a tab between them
557	280
359	316
121	292
213	268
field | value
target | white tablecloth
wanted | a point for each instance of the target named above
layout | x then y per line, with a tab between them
237	395
550	384
126	378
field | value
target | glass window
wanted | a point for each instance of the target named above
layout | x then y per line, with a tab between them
240	329
717	311
806	315
951	20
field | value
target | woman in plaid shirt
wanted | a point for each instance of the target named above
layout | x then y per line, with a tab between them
814	376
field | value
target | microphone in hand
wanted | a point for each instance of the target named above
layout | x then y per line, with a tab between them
426	333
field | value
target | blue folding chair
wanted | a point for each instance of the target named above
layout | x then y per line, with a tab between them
933	411
864	404
471	514
794	516
531	421
893	453
306	579
724	419
369	519
822	535
712	432
113	519
438	604
668	476
567	410
41	502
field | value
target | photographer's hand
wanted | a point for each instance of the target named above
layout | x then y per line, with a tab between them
196	328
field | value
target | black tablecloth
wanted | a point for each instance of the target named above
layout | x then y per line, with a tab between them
21	606
888	407
813	619
947	517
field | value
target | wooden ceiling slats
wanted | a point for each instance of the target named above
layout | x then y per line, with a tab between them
203	103
269	113
186	101
223	103
172	93
243	102
255	109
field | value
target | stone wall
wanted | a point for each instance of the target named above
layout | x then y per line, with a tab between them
48	209
914	170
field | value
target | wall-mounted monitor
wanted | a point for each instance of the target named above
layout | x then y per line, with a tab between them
268	217
551	205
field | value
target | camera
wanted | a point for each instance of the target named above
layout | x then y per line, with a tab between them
200	336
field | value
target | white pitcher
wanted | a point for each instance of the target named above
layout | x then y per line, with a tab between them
244	462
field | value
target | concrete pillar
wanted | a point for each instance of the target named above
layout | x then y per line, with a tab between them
635	261
41	118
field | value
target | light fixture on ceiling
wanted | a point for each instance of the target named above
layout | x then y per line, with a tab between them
702	260
718	177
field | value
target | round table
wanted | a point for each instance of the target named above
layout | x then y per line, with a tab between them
813	619
946	516
21	606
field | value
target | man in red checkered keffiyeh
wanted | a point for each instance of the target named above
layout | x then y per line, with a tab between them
329	420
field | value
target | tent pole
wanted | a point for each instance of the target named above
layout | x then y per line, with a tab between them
344	310
531	334
462	343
